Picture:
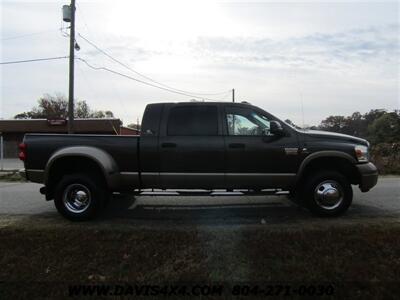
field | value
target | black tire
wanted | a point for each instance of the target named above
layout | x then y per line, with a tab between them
327	193
80	197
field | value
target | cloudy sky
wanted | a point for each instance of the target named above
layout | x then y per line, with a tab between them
327	57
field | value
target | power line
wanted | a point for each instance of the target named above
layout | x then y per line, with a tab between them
31	60
141	81
134	71
25	35
82	14
89	84
142	75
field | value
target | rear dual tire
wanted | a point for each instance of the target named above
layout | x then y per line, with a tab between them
80	197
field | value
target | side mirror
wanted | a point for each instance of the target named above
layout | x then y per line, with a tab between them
276	128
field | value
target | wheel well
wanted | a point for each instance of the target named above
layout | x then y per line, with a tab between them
338	164
69	165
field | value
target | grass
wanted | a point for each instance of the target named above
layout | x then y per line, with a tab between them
12	176
363	257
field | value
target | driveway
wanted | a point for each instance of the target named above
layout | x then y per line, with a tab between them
11	164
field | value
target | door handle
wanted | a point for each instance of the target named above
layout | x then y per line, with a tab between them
237	146
168	145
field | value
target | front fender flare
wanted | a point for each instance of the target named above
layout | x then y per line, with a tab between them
319	154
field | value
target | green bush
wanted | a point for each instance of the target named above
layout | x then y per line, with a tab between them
386	157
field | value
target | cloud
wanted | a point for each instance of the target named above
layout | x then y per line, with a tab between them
317	50
339	57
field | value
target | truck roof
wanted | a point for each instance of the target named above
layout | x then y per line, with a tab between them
204	103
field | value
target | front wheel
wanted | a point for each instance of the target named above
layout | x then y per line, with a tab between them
327	194
79	197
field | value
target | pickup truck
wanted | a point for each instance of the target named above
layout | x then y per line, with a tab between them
200	145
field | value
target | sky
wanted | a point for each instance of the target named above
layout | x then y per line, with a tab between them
301	61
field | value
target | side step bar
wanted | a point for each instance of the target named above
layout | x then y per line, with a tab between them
208	193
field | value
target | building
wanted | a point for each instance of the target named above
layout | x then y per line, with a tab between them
13	131
129	130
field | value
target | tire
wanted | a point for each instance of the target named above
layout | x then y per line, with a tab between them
80	197
327	194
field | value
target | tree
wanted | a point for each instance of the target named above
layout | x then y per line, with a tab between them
357	125
386	128
101	114
335	123
48	107
373	114
51	107
378	125
82	110
288	121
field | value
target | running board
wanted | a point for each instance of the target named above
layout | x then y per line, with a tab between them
212	193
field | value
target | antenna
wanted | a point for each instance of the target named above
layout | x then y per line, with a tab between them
302	110
299	91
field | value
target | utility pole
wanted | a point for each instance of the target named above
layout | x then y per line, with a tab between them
1	152
71	70
233	95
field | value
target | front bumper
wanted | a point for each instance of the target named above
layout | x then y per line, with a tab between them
368	176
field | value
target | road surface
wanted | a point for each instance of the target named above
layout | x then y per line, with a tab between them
383	200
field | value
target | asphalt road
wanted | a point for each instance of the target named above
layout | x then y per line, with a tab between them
383	200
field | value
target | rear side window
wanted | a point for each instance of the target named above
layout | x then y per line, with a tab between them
193	120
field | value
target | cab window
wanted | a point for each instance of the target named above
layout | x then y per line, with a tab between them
242	121
193	120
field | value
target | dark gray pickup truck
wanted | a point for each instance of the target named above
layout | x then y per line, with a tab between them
200	145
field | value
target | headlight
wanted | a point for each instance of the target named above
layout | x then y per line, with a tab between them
362	153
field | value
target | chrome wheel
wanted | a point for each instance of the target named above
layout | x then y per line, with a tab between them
76	198
329	194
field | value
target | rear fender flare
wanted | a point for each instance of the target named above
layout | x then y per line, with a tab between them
100	157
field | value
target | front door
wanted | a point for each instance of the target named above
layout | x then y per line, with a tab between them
255	157
192	148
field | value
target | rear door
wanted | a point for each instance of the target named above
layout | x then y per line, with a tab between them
192	151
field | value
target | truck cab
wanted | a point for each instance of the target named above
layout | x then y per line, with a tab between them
218	145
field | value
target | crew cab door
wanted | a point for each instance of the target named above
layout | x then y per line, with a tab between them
192	152
255	157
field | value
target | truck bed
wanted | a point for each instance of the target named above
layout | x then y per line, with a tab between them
123	149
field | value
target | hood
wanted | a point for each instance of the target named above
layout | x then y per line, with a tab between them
335	136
